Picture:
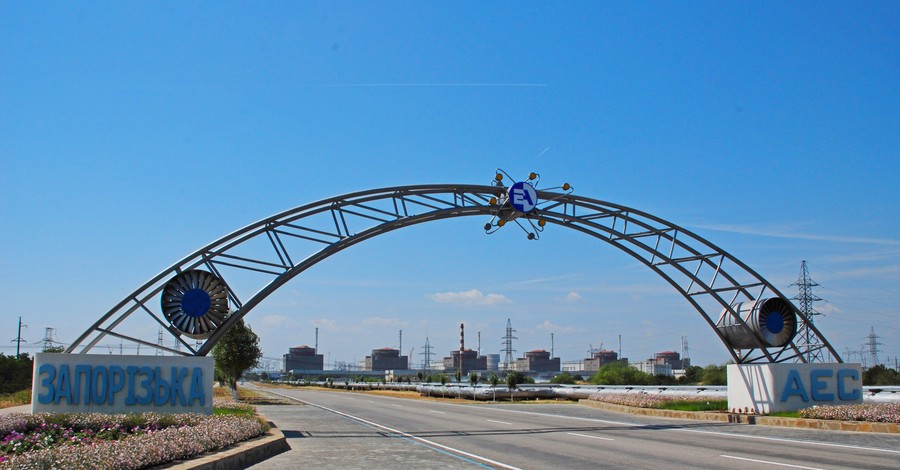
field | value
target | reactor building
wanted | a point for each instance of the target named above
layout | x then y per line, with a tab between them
464	360
303	358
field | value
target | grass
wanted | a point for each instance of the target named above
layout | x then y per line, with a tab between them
22	397
683	405
786	414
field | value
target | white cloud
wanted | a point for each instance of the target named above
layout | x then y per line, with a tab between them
782	233
470	297
324	323
573	297
381	321
279	321
554	328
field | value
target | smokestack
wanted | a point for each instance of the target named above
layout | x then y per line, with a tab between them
462	337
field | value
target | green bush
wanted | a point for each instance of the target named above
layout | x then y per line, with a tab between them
617	373
15	373
563	378
880	375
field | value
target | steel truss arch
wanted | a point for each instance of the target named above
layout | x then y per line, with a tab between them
710	279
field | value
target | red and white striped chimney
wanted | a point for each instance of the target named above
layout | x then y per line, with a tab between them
462	338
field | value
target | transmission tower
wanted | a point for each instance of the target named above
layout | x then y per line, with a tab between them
19	339
426	363
873	343
49	340
159	342
808	341
507	346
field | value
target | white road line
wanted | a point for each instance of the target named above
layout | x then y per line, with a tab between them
501	422
792	441
769	462
371	401
725	434
592	437
405	434
397	406
438	412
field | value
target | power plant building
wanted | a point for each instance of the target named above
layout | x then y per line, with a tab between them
538	360
386	359
673	359
303	358
599	359
464	360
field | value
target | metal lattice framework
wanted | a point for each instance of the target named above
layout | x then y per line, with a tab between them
289	243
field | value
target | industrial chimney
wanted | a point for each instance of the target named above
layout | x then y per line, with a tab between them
462	338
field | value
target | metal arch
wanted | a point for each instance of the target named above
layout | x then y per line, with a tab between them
709	278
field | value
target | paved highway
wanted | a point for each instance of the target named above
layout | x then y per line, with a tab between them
342	429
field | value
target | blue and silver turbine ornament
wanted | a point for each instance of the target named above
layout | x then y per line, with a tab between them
195	303
771	322
520	200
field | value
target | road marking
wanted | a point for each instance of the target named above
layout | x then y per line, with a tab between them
792	441
439	447
622	423
438	412
501	422
371	401
397	406
592	437
769	462
727	434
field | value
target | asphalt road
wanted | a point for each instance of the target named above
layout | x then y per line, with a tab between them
344	430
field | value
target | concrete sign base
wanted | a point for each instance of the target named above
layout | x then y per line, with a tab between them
770	388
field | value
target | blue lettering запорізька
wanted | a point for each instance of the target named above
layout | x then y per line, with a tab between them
101	384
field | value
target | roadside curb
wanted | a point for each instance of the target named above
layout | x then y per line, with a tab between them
800	423
240	456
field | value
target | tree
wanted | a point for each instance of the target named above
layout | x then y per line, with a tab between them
237	351
715	375
493	379
617	373
880	375
563	378
514	378
692	375
473	379
15	373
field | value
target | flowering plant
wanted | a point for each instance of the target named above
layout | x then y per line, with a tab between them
93	440
873	412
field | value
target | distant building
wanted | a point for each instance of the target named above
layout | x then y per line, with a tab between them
537	361
493	362
599	359
673	359
653	368
303	358
386	359
468	361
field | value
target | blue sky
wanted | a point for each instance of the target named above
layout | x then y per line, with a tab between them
133	133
